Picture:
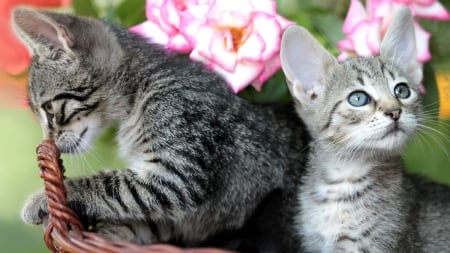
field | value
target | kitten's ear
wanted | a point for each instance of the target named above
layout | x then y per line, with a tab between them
44	36
399	45
305	62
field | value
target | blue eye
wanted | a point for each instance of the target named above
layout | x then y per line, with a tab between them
402	91
358	98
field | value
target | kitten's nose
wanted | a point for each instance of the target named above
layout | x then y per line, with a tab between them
394	114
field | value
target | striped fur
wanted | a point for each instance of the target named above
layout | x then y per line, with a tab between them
355	196
200	158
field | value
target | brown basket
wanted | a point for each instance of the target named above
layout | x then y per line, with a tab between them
64	232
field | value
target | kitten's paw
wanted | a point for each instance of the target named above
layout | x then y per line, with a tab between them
35	209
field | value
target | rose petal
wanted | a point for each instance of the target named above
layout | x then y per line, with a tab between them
356	14
151	31
271	34
270	68
434	11
244	73
252	49
179	43
363	37
422	41
220	55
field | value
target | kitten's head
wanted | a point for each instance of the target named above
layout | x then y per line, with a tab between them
66	74
363	104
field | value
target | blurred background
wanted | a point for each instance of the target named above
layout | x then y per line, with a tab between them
428	154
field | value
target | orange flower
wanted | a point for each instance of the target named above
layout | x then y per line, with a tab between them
14	56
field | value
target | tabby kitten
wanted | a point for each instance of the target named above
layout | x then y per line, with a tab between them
355	196
200	158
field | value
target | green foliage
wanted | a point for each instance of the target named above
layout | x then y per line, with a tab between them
85	8
428	154
274	91
131	12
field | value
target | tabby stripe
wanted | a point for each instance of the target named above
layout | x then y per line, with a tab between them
349	180
70	96
138	139
364	250
50	121
80	98
131	228
112	190
187	182
88	108
118	196
63	112
86	183
355	196
175	189
354	67
361	80
83	132
155	230
368	231
195	195
195	162
346	238
330	118
150	100
157	193
173	170
383	69
108	203
137	199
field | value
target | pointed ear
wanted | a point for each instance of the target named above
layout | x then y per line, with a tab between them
305	62
399	45
43	35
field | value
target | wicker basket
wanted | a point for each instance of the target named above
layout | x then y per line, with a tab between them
64	232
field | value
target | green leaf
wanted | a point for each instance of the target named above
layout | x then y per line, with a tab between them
330	26
131	12
85	8
274	91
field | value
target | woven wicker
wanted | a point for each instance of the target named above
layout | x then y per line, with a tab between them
64	232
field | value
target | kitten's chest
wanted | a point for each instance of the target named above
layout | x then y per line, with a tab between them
136	141
332	211
348	205
337	201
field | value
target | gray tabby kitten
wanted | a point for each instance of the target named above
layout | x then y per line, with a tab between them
355	196
200	158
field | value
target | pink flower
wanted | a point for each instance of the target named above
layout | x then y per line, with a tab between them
365	28
239	39
429	9
164	19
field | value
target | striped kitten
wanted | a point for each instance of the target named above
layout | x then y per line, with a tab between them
355	196
200	158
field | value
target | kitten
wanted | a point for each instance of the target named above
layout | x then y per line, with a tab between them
200	158
355	196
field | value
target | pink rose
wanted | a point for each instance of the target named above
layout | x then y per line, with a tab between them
428	9
239	39
365	28
163	24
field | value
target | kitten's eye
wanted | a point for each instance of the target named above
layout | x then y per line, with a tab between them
358	98
402	91
48	107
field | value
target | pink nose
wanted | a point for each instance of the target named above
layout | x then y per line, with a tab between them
394	114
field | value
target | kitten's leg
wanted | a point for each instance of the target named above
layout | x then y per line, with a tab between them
121	196
349	247
137	232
